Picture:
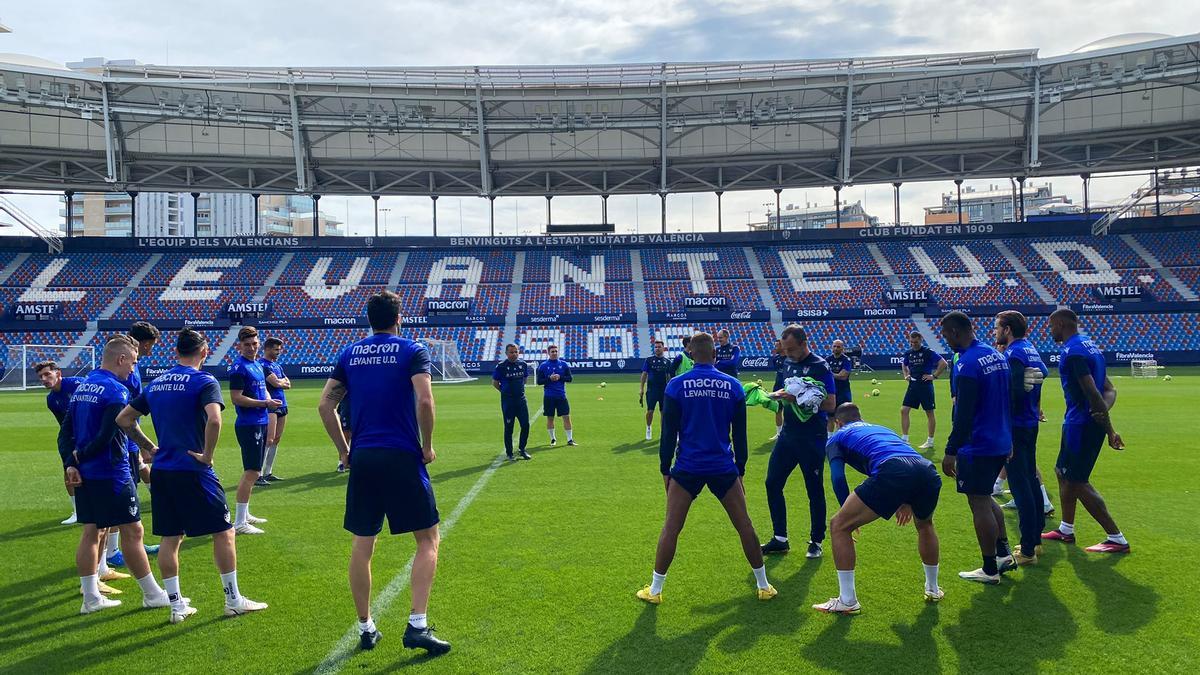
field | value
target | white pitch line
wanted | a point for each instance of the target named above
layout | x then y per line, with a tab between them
341	651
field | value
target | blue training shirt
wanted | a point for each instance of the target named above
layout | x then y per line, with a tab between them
1080	356
272	368
512	375
729	356
100	395
1027	404
555	367
658	372
815	367
378	372
709	405
134	384
175	402
921	362
58	401
985	371
865	447
248	377
837	364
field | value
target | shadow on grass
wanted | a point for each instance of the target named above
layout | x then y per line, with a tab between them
643	446
916	653
742	620
32	530
1122	605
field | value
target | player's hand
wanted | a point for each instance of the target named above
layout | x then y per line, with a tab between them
428	455
950	466
856	534
642	400
1033	377
554	377
148	455
72	477
274	404
1100	417
344	460
927	378
904	515
204	458
1115	442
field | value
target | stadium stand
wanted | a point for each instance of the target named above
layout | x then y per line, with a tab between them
594	341
495	267
728	262
227	268
903	256
831	293
667	296
86	269
573	298
1172	249
339	266
539	265
843	258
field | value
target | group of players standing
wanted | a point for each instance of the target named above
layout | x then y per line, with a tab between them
996	411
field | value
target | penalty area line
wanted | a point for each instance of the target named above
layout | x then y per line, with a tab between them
341	651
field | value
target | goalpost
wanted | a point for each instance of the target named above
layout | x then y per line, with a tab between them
18	374
1144	368
446	364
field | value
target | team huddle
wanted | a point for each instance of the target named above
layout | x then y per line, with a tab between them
378	410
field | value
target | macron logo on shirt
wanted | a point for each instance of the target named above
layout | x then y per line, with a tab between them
707	387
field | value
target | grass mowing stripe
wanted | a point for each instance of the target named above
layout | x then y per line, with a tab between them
342	650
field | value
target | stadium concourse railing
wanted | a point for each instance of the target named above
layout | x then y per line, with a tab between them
1142	318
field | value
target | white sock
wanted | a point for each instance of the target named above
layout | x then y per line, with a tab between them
1046	503
904	438
1066	528
931	577
760	576
113	544
846	586
570	435
367	626
173	593
998	486
1118	537
648	430
656	583
102	568
72	504
553	437
243	510
90	585
150	587
418	620
229	585
929	440
779	538
269	460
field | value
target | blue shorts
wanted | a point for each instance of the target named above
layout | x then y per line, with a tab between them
718	485
654	398
107	503
253	441
977	474
902	480
388	482
188	503
555	406
1080	448
281	411
919	395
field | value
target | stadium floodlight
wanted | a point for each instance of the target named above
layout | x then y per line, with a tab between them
18	373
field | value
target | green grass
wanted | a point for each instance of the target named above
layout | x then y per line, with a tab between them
538	574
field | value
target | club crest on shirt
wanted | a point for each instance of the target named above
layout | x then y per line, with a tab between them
227	514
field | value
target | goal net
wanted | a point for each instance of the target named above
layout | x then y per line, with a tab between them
1144	368
19	360
446	364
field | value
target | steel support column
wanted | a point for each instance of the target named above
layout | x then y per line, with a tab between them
133	212
70	211
297	143
837	206
958	187
196	214
719	193
434	198
316	199
1087	205
375	205
896	202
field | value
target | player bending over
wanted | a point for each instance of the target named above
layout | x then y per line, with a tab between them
57	399
277	385
1090	395
704	430
980	441
392	415
553	375
656	371
187	499
899	481
96	461
509	379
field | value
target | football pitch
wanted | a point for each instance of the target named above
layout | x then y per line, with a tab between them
540	559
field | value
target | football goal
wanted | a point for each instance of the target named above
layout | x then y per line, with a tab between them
19	360
1144	368
447	365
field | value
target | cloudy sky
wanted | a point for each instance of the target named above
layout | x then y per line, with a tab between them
473	32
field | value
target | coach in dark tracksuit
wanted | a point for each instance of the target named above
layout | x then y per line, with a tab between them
509	379
800	444
729	355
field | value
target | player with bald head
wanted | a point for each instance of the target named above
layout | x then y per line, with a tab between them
729	355
841	365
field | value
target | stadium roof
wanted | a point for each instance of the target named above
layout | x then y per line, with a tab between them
600	129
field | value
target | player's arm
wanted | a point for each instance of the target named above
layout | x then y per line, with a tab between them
941	367
642	385
1077	370
904	370
496	379
212	433
66	439
566	374
101	443
964	418
331	397
237	387
540	376
59	415
830	403
423	388
670	436
1110	394
837	476
1016	384
741	451
278	382
127	419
